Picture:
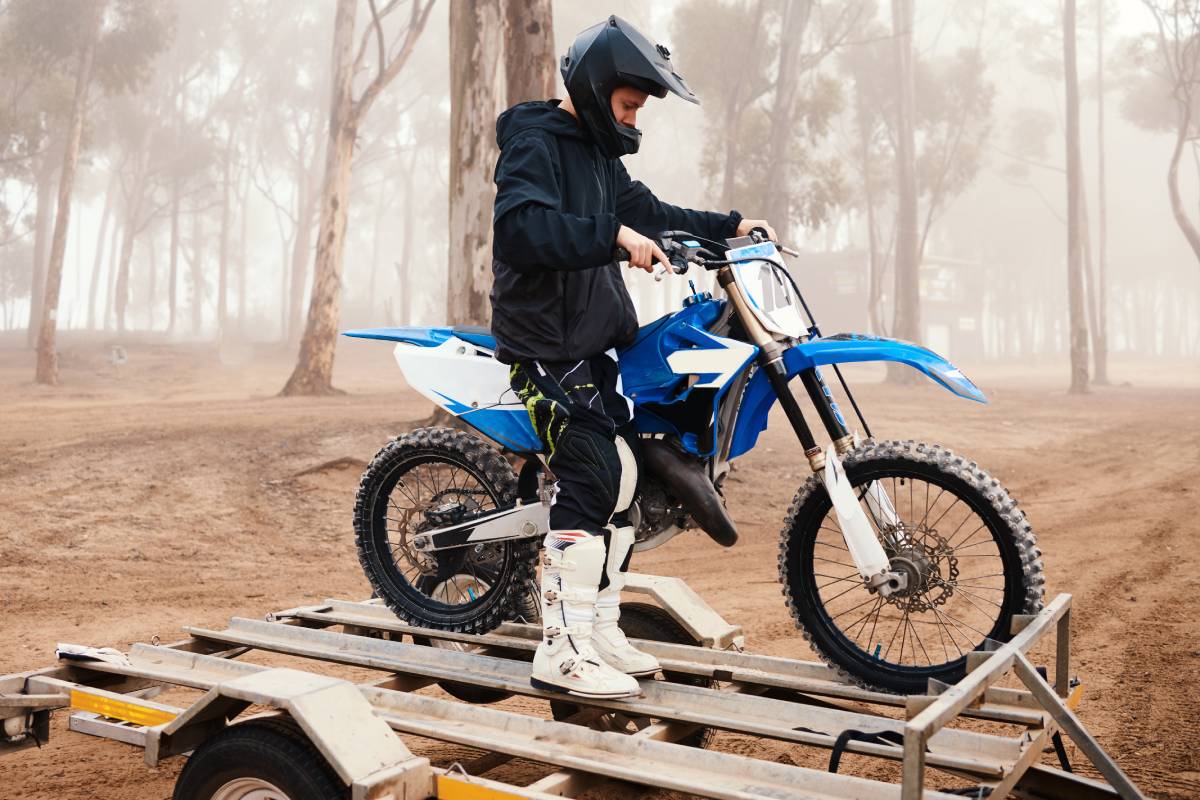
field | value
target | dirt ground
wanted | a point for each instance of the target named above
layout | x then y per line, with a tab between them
166	492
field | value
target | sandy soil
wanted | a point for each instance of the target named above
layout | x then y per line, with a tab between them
133	502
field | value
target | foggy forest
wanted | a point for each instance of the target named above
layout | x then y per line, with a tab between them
996	180
994	201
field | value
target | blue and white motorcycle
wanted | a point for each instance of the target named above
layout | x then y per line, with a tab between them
897	558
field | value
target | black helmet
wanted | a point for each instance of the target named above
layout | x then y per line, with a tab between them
607	55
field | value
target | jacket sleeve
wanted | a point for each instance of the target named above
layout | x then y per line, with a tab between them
529	231
638	208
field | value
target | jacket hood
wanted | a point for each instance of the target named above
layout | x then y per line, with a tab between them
541	114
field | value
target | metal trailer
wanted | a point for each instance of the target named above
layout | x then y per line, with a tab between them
353	732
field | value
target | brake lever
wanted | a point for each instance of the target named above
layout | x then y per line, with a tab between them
759	235
676	269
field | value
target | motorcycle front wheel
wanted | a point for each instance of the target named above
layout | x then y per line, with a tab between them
971	555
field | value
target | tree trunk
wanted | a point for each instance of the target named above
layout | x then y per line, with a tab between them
47	355
474	103
152	291
529	57
110	296
906	323
173	279
98	257
301	251
796	14
874	265
128	234
1100	335
381	203
244	204
1075	299
41	237
223	244
197	273
405	267
313	374
731	120
314	367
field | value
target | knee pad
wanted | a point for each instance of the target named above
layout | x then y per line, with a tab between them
590	457
627	483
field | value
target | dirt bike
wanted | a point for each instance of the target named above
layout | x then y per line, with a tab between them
897	558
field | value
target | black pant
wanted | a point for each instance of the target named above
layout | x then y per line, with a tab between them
577	411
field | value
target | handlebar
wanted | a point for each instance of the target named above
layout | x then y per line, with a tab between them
682	255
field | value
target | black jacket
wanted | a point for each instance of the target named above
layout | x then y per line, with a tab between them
557	293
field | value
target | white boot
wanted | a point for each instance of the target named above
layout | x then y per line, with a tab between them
608	639
565	660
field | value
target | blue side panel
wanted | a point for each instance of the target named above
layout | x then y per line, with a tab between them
645	374
425	337
841	348
649	380
510	427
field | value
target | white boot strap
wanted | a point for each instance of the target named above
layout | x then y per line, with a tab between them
554	631
561	562
569	595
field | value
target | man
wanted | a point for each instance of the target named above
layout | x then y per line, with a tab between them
564	203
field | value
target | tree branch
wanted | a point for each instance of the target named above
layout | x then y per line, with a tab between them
420	15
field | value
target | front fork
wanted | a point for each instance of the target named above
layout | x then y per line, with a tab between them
869	556
865	549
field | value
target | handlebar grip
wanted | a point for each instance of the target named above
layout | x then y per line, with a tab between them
620	254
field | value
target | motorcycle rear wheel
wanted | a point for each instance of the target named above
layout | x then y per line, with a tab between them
974	553
426	479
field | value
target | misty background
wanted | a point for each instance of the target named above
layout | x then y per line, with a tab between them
204	136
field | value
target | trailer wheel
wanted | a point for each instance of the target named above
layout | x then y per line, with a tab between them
268	758
649	622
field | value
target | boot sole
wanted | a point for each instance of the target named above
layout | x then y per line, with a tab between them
644	673
552	687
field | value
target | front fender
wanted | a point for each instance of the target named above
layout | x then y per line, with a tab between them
841	348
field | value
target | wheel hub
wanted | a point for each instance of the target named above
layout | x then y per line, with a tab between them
928	561
249	789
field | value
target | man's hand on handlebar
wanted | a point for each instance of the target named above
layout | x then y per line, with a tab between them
745	226
643	251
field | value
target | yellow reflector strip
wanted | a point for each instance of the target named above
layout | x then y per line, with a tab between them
452	788
123	710
1075	696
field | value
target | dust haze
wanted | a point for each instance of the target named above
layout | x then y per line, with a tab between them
195	208
182	428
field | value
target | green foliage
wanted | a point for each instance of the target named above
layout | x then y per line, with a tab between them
954	103
15	275
40	44
1148	98
727	51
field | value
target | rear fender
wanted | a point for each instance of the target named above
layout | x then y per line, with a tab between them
463	378
841	348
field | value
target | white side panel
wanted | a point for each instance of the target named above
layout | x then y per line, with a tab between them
724	360
457	376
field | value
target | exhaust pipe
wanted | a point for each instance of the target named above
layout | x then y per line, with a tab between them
684	477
